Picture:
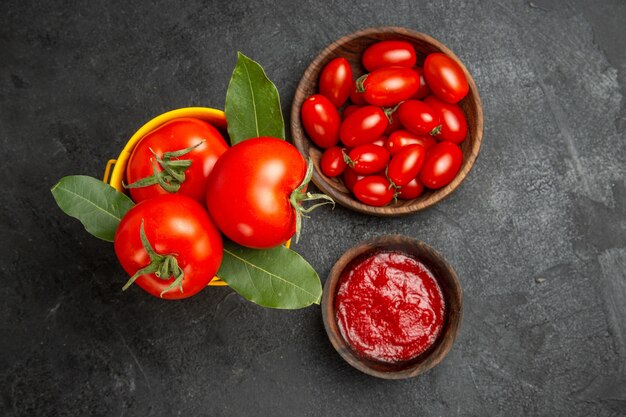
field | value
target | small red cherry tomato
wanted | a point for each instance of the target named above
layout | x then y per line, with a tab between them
423	91
453	121
445	77
411	190
332	161
394	125
374	190
406	164
401	138
350	178
368	158
363	126
387	87
418	117
389	54
321	121
336	81
356	97
349	110
441	165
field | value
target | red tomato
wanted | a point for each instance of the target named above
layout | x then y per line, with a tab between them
406	164
336	81
350	178
363	126
178	229
373	190
423	90
389	54
441	165
368	158
418	117
402	138
445	77
321	121
380	141
394	125
387	87
453	121
411	190
332	162
248	193
173	136
356	97
349	110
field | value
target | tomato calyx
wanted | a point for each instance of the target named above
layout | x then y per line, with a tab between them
162	266
173	170
389	111
435	131
300	195
346	158
359	83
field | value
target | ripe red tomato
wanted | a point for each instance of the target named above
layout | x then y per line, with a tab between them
402	138
248	193
336	81
356	97
423	90
418	117
380	141
374	190
349	110
181	235
411	190
441	165
445	77
321	121
363	126
350	178
406	164
389	54
176	135
387	87
332	162
368	158
453	121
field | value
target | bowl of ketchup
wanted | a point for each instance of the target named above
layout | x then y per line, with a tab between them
392	307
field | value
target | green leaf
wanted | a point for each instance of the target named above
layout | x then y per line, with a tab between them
97	205
277	277
252	103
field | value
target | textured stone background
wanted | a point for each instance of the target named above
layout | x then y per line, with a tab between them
537	232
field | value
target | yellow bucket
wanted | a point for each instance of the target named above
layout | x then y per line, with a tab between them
116	168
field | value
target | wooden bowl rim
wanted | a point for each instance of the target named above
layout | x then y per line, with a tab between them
345	199
427	360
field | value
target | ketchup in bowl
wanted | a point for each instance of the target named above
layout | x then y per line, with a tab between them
389	307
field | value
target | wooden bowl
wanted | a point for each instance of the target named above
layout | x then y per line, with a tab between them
351	47
450	287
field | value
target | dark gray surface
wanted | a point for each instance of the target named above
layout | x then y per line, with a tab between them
537	232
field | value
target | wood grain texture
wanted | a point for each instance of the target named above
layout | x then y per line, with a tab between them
446	278
351	47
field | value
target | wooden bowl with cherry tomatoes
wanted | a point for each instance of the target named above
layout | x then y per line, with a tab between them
391	119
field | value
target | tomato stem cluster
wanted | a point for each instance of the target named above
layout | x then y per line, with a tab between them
163	266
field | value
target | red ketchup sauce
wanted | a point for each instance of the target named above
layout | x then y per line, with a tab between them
389	307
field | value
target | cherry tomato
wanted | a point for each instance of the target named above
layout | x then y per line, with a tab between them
332	161
418	117
411	190
248	193
423	90
368	158
321	121
441	165
453	121
356	97
374	190
336	81
349	110
350	178
363	126
178	229
394	125
176	135
401	138
389	54
445	77
406	164
387	87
